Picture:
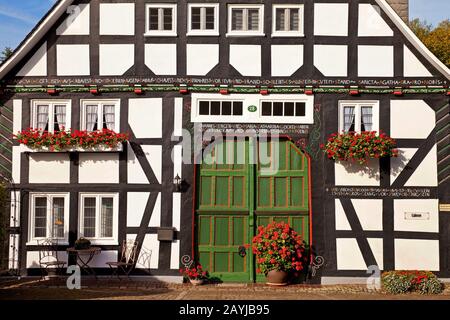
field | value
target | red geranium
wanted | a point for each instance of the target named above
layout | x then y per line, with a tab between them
278	247
354	146
58	141
194	273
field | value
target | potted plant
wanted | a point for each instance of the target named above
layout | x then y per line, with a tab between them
279	250
82	244
359	147
196	275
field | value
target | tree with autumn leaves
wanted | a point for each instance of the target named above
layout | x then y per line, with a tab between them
437	40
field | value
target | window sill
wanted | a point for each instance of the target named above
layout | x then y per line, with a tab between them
103	242
287	35
160	34
245	34
202	34
60	242
99	149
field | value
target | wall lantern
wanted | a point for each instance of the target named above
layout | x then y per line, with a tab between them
177	182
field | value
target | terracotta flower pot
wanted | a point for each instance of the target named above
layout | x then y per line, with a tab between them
277	278
196	282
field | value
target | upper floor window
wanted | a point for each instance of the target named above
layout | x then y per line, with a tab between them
283	109
245	20
358	116
203	19
288	20
161	19
220	108
50	115
49	216
98	217
100	114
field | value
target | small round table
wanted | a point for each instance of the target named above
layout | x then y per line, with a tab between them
84	257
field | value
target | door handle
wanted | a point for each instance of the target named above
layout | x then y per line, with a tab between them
242	251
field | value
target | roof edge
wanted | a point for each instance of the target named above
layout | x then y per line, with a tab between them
34	36
409	34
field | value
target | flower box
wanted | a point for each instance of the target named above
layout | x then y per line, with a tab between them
101	148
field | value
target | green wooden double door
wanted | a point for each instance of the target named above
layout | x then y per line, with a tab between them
236	194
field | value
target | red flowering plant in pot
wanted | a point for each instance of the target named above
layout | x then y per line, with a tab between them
279	250
67	140
196	275
359	147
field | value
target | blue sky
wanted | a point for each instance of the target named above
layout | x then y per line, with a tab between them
18	17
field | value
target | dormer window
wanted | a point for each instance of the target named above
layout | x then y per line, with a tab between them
203	19
245	20
161	20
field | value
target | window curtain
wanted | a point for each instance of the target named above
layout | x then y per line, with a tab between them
349	119
89	217
40	217
42	117
253	19
58	218
237	17
280	19
108	117
106	218
91	117
60	117
295	20
366	119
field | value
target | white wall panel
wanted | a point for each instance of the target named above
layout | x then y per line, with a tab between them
375	61
145	126
16	161
415	254
400	162
286	59
116	59
154	157
78	21
348	174
178	117
72	60
412	67
135	172
331	19
201	58
175	255
161	58
376	245
17	115
246	59
331	60
49	168
99	168
370	213
117	18
427	208
37	65
426	172
370	22
406	114
340	216
136	203
349	255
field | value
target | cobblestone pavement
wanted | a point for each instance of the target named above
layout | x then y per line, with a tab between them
33	289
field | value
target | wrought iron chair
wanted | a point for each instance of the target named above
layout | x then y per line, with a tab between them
128	259
48	258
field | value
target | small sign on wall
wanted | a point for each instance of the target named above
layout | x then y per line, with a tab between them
417	216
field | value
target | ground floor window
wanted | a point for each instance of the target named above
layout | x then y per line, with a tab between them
99	217
49	216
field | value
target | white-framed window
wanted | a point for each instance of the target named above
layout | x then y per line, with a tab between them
99	217
287	20
100	114
283	108
161	19
203	19
252	108
49	217
51	115
358	116
245	20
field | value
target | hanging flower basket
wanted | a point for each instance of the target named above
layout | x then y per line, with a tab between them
359	147
101	140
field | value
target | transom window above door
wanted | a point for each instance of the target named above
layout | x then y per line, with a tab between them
245	20
161	19
358	116
98	115
203	19
50	115
288	21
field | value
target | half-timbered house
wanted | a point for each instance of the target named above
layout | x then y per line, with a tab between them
165	71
